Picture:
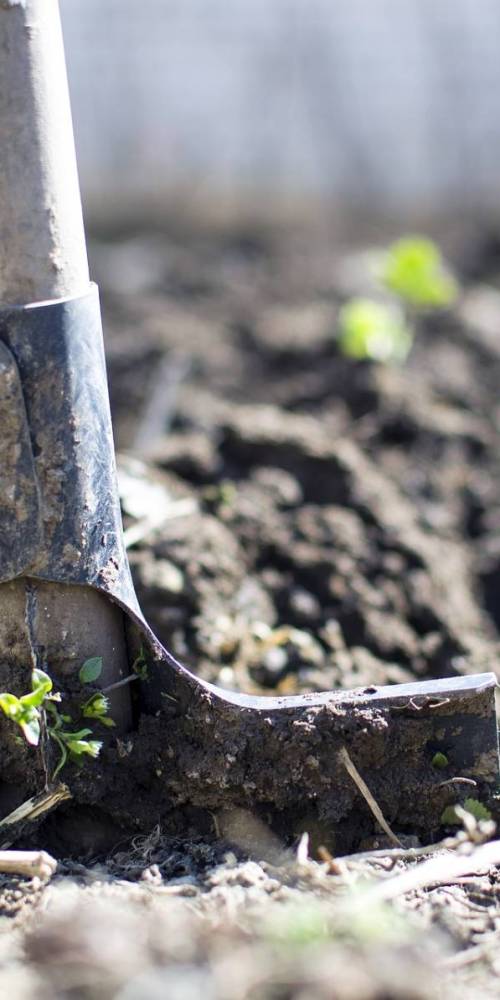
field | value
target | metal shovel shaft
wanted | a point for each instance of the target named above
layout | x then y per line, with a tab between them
42	249
43	257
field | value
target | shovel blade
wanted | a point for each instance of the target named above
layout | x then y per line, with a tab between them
418	747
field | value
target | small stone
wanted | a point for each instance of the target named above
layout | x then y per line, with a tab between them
304	606
163	575
226	677
275	660
283	487
152	875
260	630
331	635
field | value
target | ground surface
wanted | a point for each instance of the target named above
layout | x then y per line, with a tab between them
296	522
344	526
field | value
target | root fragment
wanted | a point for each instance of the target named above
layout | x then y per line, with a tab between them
367	795
33	864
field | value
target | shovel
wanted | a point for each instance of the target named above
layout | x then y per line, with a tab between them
351	761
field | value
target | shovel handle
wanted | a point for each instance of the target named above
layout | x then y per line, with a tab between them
43	259
42	249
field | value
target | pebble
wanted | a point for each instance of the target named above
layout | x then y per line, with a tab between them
304	606
162	574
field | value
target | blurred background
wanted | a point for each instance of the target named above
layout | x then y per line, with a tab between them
300	514
381	108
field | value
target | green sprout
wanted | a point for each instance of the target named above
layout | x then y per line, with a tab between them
97	707
413	269
473	806
413	273
27	710
370	329
72	745
38	711
440	760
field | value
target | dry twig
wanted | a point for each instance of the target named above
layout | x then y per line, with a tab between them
31	811
367	795
30	863
439	870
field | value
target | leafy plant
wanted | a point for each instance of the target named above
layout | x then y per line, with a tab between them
73	745
38	711
27	710
413	272
97	707
413	269
473	806
370	329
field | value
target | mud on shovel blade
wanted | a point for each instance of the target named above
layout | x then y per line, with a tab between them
191	744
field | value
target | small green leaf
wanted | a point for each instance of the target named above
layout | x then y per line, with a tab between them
440	760
370	330
41	685
31	731
10	705
413	268
96	706
39	679
79	747
80	735
449	817
52	711
476	808
472	806
91	670
106	720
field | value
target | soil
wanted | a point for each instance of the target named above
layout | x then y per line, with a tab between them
345	516
297	522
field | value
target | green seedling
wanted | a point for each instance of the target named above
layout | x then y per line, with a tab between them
375	331
97	707
413	273
26	711
72	745
473	806
38	712
413	269
440	761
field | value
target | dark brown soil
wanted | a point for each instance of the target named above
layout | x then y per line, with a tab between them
345	519
320	523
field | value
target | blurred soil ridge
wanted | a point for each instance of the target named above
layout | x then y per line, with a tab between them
301	521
